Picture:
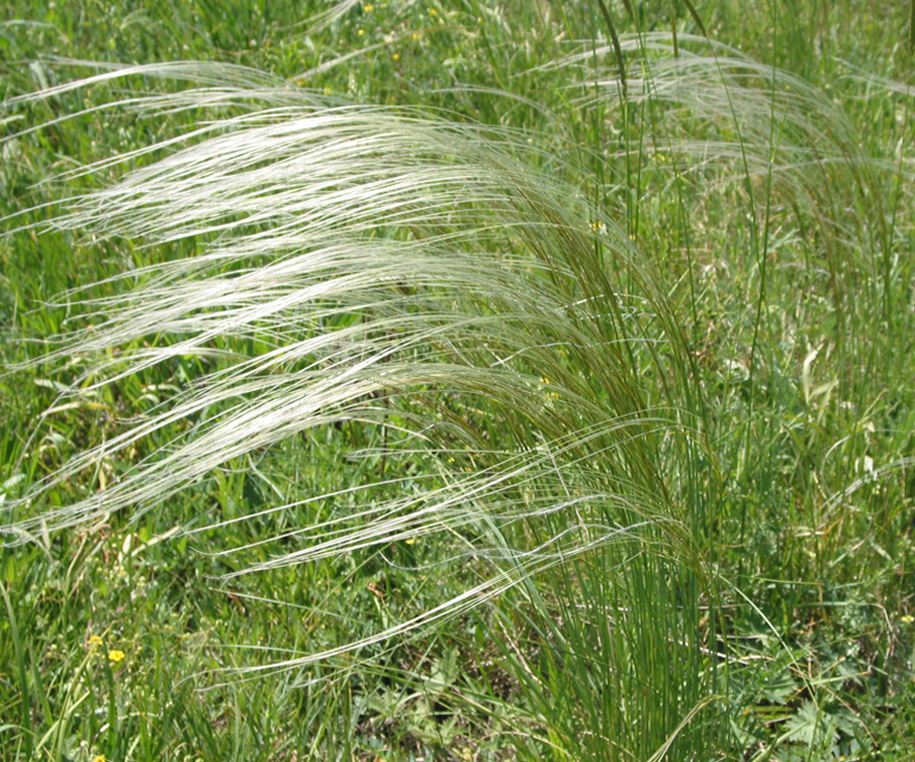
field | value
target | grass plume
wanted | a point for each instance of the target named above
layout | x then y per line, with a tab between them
507	332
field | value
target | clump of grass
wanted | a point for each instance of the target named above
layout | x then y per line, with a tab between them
509	325
411	274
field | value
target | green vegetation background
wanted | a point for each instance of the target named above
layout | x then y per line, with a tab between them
119	641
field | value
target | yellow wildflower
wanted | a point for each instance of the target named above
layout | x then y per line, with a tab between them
908	619
116	656
100	758
433	12
416	35
361	32
368	8
396	56
95	640
549	395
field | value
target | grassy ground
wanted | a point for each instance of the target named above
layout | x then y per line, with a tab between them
757	223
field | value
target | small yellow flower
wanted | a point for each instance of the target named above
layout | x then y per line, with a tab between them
368	8
908	619
549	395
410	540
361	32
327	91
95	640
416	35
433	12
396	56
116	655
100	758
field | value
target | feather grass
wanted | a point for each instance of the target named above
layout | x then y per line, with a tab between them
402	270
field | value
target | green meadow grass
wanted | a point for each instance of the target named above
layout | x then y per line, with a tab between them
448	395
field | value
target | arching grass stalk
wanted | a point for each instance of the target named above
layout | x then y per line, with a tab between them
405	272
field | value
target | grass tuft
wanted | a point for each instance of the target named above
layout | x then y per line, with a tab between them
564	420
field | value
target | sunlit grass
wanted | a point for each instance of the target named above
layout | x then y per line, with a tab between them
499	408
